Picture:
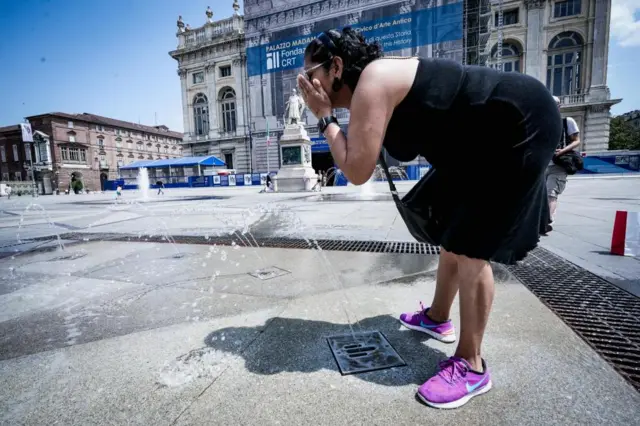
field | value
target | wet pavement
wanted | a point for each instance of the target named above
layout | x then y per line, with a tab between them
160	333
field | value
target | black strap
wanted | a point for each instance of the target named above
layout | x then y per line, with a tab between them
565	135
394	191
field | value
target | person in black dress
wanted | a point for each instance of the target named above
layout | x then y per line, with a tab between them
489	135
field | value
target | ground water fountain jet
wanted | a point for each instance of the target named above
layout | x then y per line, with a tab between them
44	214
398	172
143	183
297	229
367	187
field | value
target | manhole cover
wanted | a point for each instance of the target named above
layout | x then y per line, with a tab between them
70	256
363	352
269	273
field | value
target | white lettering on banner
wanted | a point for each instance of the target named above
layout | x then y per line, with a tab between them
279	46
283	58
381	25
297	51
303	41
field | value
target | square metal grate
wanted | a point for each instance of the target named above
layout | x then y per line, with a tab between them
269	273
363	352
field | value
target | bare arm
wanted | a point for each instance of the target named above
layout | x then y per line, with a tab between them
371	109
575	141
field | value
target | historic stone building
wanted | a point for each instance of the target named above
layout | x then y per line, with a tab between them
17	159
563	43
92	148
14	155
211	65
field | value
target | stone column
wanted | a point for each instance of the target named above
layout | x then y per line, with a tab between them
212	97
598	90
254	85
236	66
595	136
534	63
185	104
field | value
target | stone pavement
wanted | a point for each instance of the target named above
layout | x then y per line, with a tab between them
113	332
582	232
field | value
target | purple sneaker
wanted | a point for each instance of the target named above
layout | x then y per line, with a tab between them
420	321
455	384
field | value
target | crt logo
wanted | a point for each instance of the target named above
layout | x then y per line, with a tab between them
273	60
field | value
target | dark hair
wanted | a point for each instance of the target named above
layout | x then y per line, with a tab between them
349	45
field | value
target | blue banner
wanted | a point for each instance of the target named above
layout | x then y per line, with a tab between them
420	28
319	145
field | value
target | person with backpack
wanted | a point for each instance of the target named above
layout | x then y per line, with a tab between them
565	162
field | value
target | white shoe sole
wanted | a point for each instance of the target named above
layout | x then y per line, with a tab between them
458	403
440	337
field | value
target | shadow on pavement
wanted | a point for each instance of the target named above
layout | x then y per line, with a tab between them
299	346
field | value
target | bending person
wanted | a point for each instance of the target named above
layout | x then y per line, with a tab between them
489	135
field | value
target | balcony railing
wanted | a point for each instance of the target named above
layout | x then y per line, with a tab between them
210	31
572	99
229	134
103	164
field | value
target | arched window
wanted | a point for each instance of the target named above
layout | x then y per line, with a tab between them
201	114
228	109
511	57
564	64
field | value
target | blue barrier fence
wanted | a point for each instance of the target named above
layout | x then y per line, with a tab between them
248	179
615	163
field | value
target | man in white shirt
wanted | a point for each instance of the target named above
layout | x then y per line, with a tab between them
556	175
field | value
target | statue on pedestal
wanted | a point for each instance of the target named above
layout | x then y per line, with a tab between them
180	24
294	108
236	7
209	14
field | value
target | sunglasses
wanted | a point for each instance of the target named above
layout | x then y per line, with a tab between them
309	71
328	43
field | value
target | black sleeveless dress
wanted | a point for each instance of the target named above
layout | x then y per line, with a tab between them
490	137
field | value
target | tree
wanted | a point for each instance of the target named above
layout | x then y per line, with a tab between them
622	135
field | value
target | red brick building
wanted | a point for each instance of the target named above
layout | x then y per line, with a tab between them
92	148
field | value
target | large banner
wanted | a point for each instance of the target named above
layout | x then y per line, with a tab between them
414	29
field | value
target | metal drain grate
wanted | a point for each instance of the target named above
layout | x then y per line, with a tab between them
269	242
604	316
363	352
269	273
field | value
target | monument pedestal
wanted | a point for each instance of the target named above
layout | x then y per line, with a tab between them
296	173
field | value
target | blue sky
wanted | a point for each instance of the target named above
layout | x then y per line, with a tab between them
110	57
103	57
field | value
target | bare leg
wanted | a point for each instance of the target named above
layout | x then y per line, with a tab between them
553	204
446	286
476	297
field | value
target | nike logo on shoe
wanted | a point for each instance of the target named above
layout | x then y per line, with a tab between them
471	388
422	324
